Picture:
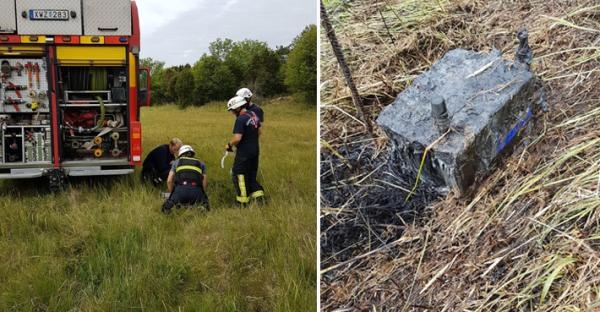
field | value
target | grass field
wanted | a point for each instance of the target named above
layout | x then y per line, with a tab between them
105	246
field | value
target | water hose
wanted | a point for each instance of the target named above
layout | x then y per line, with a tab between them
223	159
102	112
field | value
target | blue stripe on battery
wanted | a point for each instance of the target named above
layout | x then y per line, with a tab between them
512	133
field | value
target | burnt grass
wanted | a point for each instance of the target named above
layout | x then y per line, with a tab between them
363	200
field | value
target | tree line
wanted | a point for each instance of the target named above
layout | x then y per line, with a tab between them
230	65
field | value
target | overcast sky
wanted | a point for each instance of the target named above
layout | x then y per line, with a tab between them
179	31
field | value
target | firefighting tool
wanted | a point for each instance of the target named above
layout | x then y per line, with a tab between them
29	69
223	159
36	70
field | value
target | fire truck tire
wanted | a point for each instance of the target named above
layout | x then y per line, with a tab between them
57	180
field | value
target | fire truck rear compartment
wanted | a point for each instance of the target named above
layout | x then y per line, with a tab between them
93	113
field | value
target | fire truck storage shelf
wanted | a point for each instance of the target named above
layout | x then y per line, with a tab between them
26	144
25	132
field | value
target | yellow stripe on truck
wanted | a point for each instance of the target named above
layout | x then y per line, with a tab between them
22	50
90	55
33	39
132	71
91	39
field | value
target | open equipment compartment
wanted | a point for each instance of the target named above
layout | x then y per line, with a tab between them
25	132
93	112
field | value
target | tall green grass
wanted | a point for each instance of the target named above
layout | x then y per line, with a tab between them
104	245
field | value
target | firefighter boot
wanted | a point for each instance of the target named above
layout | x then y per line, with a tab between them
259	197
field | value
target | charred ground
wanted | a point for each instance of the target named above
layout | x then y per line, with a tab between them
527	237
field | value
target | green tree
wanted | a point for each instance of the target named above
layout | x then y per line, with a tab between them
213	80
170	78
220	48
301	66
256	66
184	87
154	65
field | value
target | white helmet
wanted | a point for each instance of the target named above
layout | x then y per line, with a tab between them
235	102
244	92
184	149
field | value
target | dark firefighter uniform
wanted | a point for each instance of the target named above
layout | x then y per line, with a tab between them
157	164
257	111
245	165
189	174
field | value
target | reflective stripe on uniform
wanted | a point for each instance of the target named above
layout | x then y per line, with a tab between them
189	168
243	198
257	194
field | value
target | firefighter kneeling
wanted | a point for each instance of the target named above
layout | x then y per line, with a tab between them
186	181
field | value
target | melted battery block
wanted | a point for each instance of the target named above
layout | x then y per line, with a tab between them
469	109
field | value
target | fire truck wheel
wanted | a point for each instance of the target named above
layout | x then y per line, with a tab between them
57	180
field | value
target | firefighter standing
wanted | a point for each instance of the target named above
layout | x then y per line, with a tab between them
187	181
246	131
257	110
158	162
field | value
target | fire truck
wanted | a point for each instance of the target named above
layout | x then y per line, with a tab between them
71	89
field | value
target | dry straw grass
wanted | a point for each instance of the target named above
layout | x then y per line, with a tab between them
528	237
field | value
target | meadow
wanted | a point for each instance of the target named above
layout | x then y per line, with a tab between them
104	245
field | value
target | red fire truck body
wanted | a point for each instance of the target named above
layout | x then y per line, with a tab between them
70	89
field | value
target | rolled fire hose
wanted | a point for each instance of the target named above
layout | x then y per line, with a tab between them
114	136
98	153
97	140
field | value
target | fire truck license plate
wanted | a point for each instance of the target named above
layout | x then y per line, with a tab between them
48	14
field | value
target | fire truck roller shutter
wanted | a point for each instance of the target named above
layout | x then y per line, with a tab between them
22	50
90	56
